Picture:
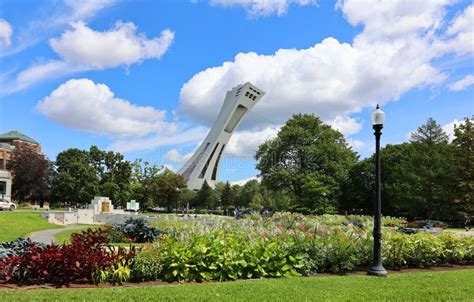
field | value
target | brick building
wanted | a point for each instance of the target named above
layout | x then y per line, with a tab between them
8	142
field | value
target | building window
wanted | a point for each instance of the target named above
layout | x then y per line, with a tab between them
8	165
235	118
3	188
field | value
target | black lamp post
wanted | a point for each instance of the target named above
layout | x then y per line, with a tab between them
377	269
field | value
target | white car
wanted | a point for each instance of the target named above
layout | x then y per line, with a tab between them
7	205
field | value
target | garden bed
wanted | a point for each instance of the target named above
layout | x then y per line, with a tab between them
285	245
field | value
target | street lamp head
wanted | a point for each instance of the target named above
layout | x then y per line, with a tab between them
378	117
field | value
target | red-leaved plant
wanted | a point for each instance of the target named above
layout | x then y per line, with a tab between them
70	263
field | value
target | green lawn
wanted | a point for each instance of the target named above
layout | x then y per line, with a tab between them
20	224
65	236
420	286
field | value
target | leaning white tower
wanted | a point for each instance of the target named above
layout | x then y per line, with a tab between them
204	164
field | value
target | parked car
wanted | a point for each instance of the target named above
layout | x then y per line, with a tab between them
7	205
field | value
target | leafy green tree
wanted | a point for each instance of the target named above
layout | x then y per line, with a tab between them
77	180
114	174
257	202
430	133
433	161
226	197
280	200
248	193
166	188
142	178
186	197
306	157
205	197
358	191
464	150
32	176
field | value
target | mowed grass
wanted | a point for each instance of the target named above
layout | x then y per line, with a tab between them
419	286
20	224
65	236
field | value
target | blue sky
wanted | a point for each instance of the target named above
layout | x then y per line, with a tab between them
147	78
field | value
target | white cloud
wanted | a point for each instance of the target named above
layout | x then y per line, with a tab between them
245	180
389	19
119	46
256	8
83	49
394	53
245	143
6	32
346	125
180	136
176	156
49	20
463	83
449	128
461	32
355	144
169	167
84	105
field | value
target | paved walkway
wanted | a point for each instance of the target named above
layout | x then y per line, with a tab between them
47	236
466	233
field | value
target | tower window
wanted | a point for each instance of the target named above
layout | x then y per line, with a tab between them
234	120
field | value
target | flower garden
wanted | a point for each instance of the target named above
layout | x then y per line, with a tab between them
282	245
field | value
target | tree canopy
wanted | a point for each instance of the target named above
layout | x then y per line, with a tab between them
310	159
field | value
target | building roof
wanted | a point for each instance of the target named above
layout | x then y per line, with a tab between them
7	146
16	136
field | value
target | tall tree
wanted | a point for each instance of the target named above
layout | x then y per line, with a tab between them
166	188
114	174
306	156
204	197
32	176
142	178
464	146
227	197
249	192
430	133
77	180
434	162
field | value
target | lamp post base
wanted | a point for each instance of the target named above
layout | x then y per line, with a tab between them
377	270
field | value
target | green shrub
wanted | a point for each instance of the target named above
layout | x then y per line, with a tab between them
456	248
137	230
221	256
147	265
394	221
425	250
116	274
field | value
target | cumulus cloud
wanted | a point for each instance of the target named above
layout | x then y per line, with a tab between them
257	8
393	54
460	34
346	125
462	83
6	32
54	18
176	156
389	19
245	143
449	128
121	45
83	49
182	135
84	105
245	180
